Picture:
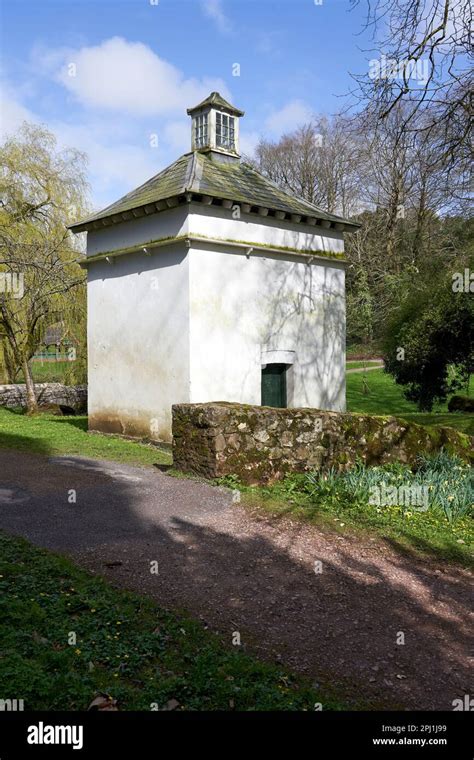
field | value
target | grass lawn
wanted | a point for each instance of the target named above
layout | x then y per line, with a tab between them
428	534
361	364
125	646
377	393
52	435
47	372
363	350
128	647
460	420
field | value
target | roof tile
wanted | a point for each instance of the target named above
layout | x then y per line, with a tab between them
199	173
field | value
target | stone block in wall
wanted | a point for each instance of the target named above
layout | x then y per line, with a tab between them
72	398
263	444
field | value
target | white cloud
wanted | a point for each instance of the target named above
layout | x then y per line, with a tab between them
177	135
117	164
112	78
286	119
268	43
119	160
12	113
127	76
213	9
248	142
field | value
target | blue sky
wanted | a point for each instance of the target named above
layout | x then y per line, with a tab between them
114	77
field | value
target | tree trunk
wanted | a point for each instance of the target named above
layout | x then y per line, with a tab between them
31	402
419	238
7	366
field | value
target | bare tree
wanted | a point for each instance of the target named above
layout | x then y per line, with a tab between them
424	65
316	162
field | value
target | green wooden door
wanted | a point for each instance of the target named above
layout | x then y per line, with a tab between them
274	385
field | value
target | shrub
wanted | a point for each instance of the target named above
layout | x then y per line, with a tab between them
461	404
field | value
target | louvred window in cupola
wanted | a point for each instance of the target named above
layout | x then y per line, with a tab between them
215	126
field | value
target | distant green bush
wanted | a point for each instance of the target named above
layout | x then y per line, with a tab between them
461	404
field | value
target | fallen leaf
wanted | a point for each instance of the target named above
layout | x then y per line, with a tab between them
172	704
103	702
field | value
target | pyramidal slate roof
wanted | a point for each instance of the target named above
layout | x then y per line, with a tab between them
215	100
197	176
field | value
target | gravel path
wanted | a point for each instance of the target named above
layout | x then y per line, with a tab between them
242	571
368	368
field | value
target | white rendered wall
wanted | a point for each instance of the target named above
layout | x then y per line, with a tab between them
242	307
170	223
138	341
218	222
192	325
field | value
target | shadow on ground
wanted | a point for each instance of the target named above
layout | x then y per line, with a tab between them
240	572
79	422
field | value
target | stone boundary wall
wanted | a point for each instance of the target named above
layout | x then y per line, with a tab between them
262	444
71	397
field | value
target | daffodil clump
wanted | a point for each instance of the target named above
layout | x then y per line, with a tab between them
440	482
428	507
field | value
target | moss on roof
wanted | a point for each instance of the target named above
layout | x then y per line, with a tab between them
199	173
215	100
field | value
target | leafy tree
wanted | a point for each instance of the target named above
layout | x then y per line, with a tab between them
42	189
430	343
